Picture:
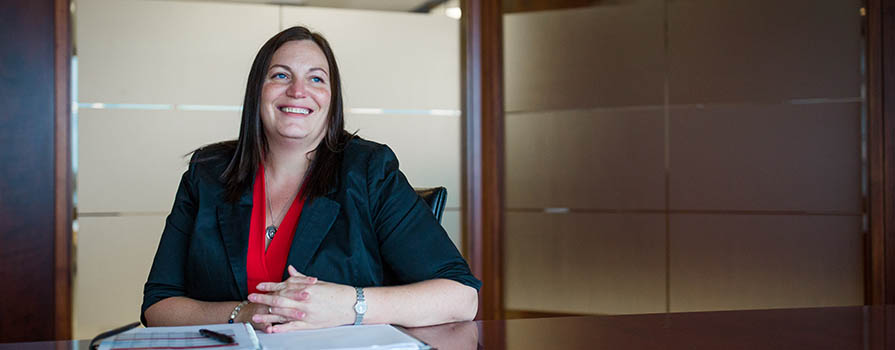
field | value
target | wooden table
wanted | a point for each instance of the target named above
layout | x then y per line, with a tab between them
841	328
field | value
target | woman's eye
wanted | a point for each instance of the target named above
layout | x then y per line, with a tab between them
279	76
317	80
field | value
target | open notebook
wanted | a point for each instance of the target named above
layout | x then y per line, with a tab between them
337	338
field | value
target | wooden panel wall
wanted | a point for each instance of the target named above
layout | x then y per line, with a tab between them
34	299
673	162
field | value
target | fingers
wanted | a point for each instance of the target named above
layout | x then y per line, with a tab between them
279	315
260	325
296	276
273	300
296	294
290	326
271	286
288	314
299	293
293	282
294	273
301	279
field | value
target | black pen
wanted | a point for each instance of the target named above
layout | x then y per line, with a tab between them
223	338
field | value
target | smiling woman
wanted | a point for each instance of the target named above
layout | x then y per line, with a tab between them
299	224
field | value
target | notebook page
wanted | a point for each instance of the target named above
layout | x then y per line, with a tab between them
183	338
381	336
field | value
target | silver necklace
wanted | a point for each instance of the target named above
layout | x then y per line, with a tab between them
271	230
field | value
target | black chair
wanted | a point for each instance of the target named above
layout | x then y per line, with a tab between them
436	198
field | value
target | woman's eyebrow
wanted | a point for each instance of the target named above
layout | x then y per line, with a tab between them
280	66
318	68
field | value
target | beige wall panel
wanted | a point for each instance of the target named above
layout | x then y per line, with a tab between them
586	159
132	160
763	51
428	147
451	223
168	52
722	262
607	55
113	260
771	157
389	59
585	263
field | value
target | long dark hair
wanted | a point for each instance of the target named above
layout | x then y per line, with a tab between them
246	152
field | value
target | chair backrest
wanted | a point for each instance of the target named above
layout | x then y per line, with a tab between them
436	198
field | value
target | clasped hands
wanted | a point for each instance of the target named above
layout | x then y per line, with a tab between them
301	302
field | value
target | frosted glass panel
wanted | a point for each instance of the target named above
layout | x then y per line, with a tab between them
451	223
610	54
389	59
132	160
114	257
776	157
585	263
721	262
168	52
763	50
428	147
586	159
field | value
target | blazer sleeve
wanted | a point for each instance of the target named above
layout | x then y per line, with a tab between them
413	245
166	277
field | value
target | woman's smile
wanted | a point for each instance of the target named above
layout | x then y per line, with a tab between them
296	110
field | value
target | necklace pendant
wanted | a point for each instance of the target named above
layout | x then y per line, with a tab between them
271	231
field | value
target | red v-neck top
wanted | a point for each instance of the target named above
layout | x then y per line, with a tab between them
268	266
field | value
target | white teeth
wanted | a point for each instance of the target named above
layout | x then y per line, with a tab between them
295	110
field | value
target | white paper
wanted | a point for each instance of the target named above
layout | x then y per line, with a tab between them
381	336
186	337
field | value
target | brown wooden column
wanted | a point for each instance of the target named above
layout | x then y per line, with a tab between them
35	220
483	149
64	180
880	281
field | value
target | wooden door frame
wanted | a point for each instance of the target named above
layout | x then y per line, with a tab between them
482	219
880	256
35	185
63	264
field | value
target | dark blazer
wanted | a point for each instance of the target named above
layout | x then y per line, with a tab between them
371	229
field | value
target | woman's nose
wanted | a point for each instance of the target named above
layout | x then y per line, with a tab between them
296	90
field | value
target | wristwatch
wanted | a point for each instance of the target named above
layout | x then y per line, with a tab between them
360	307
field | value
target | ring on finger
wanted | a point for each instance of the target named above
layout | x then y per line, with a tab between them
269	310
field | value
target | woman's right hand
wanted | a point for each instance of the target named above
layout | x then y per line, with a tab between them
248	312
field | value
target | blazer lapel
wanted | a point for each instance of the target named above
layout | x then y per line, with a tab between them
314	223
234	221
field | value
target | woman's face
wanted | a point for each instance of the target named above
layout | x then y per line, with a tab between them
296	94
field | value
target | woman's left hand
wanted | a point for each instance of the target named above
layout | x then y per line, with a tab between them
305	302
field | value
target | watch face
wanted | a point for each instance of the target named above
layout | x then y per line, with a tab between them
360	308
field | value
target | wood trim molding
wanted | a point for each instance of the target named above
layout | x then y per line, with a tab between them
515	6
483	129
886	74
875	273
515	314
63	176
880	274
